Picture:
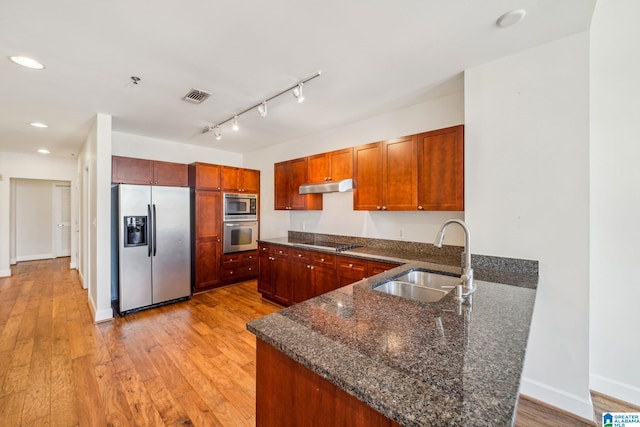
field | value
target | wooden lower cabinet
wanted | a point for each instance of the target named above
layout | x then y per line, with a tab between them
206	264
274	275
289	394
289	275
265	285
239	266
352	269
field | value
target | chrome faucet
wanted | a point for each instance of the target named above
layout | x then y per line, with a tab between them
467	271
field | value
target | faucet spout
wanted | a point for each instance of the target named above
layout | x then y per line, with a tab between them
467	271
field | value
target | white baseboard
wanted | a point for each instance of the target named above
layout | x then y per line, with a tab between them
576	405
616	389
21	258
5	273
102	315
73	266
13	261
82	281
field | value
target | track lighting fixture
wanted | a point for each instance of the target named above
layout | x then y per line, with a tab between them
217	132
297	92
261	107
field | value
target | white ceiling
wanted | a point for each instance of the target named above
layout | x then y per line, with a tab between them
375	55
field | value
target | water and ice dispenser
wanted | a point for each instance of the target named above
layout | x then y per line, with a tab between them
135	231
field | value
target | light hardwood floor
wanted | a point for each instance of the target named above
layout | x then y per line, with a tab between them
190	363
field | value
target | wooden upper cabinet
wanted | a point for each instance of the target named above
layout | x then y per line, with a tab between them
441	169
367	177
204	176
333	166
288	177
127	170
385	175
172	174
240	180
250	179
400	174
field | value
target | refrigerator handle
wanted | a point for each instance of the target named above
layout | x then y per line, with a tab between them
155	246
149	230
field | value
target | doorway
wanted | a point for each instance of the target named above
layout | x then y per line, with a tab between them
40	219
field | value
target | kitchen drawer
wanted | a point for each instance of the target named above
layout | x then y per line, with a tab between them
377	267
323	259
280	251
300	255
239	271
352	264
239	258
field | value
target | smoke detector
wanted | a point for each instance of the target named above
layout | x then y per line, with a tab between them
196	96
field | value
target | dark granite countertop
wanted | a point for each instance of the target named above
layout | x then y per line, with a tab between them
420	364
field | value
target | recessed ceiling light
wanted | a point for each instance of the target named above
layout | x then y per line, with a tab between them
38	125
510	18
44	151
27	62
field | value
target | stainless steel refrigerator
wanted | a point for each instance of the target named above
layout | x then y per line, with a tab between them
154	249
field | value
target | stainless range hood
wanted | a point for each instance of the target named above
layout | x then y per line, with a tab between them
327	187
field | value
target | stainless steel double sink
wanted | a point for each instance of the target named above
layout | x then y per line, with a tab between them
419	285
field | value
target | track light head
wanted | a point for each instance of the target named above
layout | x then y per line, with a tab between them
234	124
297	92
262	109
217	132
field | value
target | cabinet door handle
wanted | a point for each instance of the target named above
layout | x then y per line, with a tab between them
384	208
312	267
378	207
350	265
420	208
321	259
299	255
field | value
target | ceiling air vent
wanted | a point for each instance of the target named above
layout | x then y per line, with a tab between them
196	96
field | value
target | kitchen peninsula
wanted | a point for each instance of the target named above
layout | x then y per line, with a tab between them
384	360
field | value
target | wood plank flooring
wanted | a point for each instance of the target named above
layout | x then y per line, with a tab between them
190	363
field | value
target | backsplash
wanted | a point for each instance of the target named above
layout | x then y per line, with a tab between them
485	262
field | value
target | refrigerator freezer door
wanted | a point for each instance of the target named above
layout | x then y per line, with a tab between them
135	262
171	264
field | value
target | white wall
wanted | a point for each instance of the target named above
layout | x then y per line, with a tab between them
94	160
14	165
338	216
33	219
615	200
129	145
527	187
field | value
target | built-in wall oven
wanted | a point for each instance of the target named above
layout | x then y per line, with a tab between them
240	236
240	222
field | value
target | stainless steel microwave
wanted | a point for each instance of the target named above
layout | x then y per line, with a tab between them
240	207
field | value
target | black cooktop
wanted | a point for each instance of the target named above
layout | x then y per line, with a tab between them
339	247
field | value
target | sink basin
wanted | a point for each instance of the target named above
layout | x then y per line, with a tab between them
411	291
419	285
429	279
